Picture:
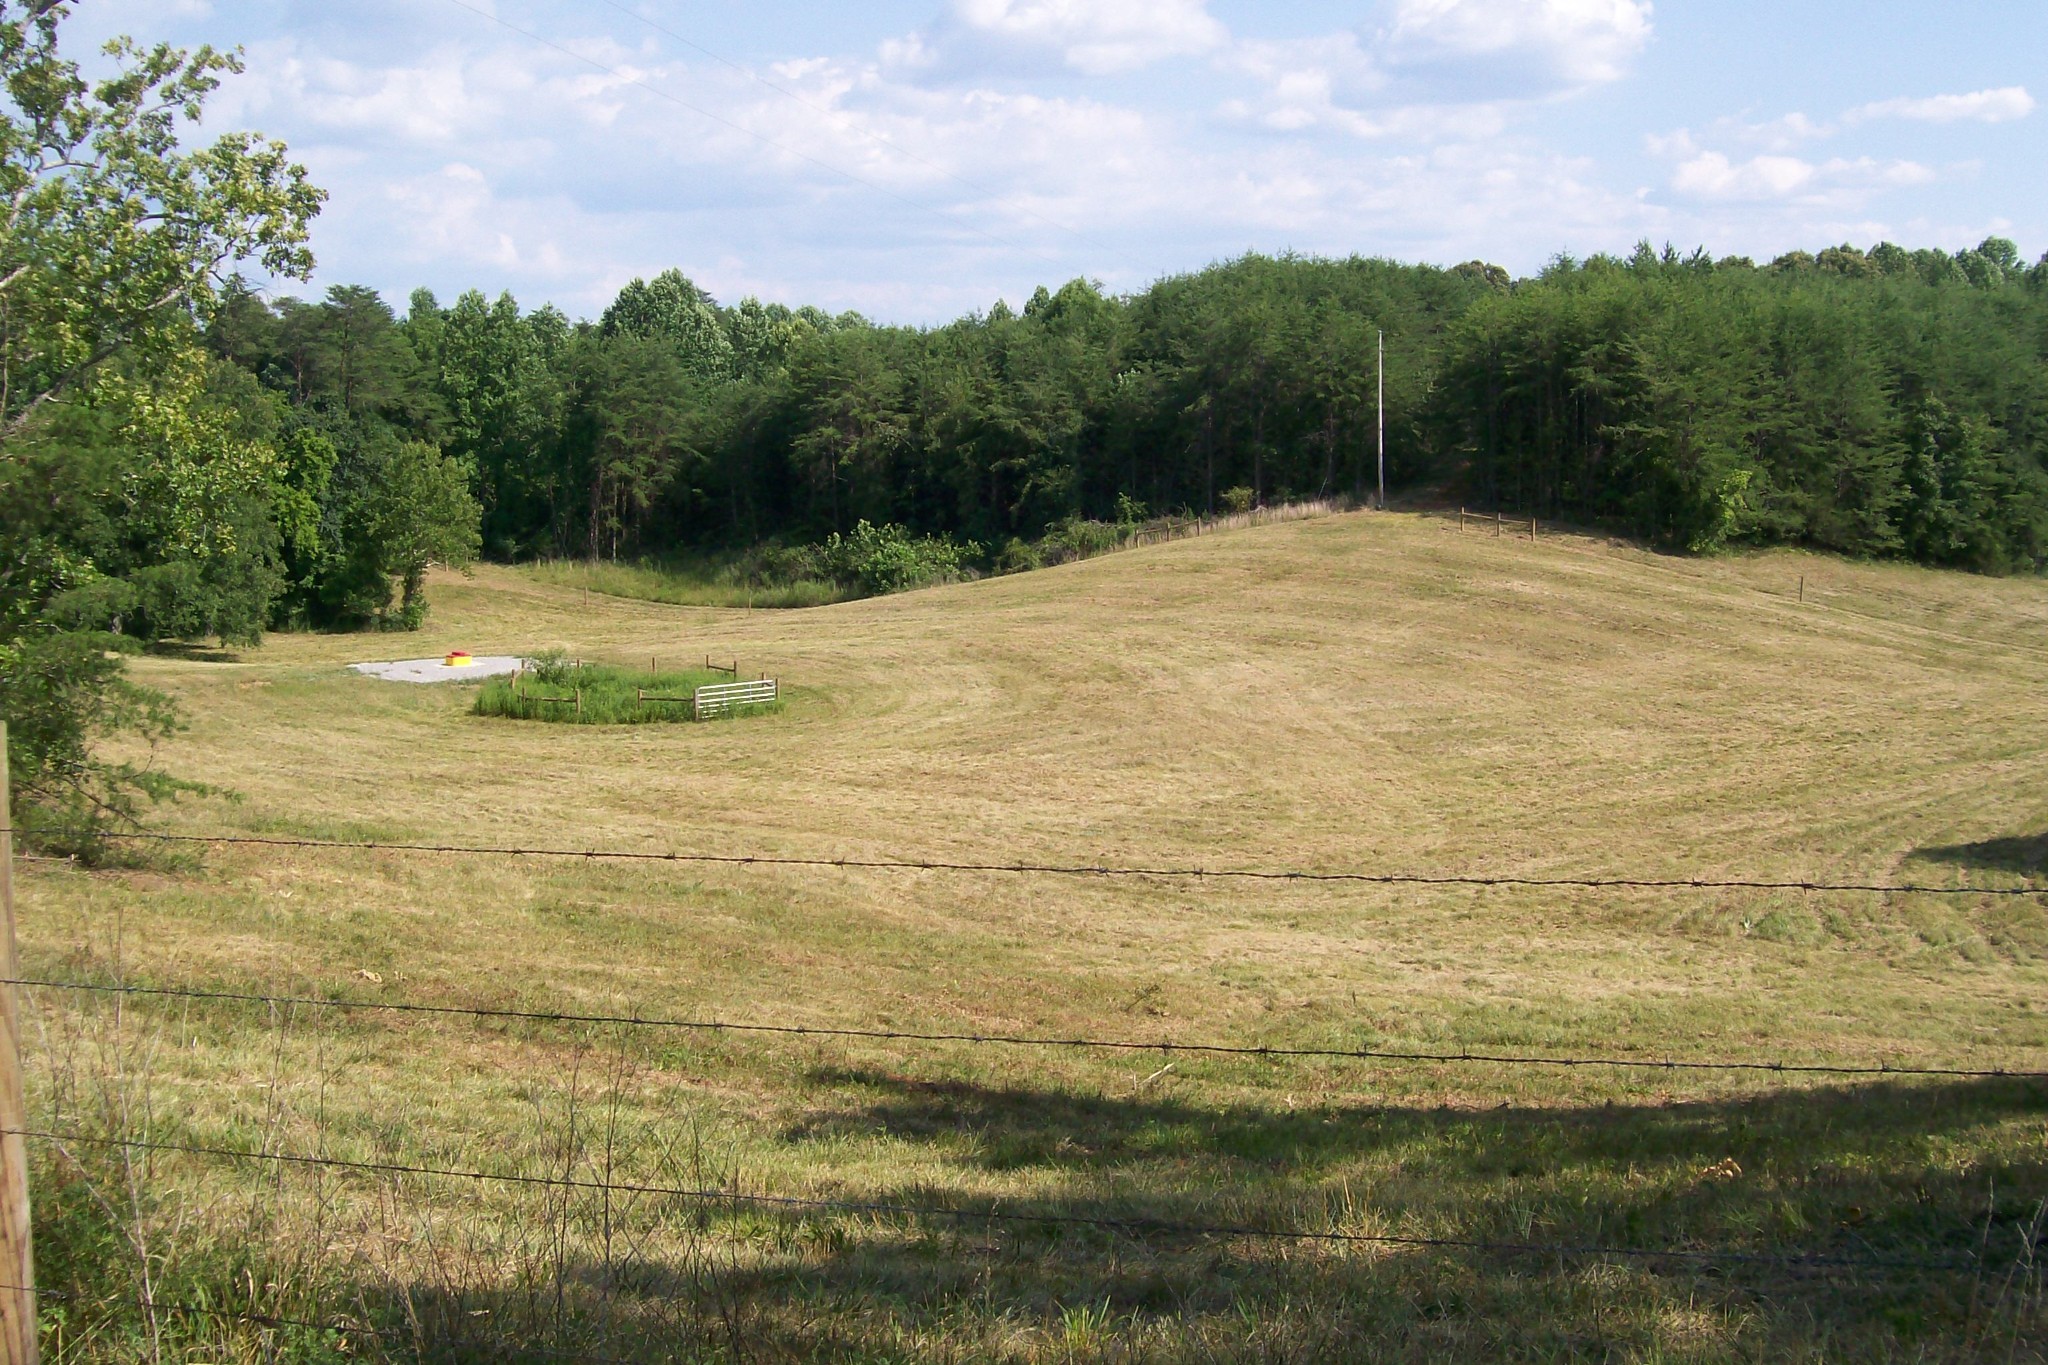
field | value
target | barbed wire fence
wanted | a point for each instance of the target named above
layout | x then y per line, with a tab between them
991	1214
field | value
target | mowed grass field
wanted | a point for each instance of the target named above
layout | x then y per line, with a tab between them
1374	692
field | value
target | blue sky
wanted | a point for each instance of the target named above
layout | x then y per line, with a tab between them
918	159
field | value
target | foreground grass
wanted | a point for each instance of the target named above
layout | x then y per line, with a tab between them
1368	691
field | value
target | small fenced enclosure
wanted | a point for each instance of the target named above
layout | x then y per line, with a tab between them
728	699
580	693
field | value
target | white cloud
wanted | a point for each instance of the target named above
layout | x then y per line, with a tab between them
1839	181
1982	106
1013	142
1584	42
454	213
1777	135
1442	70
1711	175
1097	37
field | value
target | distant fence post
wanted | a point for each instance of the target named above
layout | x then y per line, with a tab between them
18	1299
1496	525
1532	526
1461	520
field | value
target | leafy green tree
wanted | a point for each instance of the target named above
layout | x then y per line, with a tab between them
640	436
421	514
115	233
500	381
134	505
674	310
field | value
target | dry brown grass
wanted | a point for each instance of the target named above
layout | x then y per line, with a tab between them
1364	691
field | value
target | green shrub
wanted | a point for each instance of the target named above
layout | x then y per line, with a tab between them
1019	556
885	559
1079	538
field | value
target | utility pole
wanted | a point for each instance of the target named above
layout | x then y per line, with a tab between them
1383	421
18	1290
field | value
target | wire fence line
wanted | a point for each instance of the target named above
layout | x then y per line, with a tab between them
1133	1226
999	1215
1160	1045
1092	870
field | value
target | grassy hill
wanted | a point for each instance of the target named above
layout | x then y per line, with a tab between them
1375	692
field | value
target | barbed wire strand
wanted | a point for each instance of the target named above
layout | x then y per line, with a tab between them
1161	1045
1088	869
1132	1225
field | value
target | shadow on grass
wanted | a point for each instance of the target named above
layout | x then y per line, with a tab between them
1904	1174
2022	853
191	652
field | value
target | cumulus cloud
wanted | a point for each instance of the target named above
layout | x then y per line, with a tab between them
1840	180
1712	175
1440	70
1702	171
1584	42
1005	144
1094	37
1982	106
1777	135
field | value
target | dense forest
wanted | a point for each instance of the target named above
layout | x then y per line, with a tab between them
1880	403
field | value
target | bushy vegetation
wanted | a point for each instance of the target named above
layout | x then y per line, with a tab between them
572	692
1892	404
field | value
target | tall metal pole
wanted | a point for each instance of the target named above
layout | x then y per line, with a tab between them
18	1297
1383	421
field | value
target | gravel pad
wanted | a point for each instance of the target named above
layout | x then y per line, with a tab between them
433	670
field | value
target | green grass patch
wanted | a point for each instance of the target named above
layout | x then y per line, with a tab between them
599	694
686	585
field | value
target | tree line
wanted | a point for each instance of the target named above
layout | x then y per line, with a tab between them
1888	403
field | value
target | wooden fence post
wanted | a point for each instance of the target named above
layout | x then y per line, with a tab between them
1496	525
1532	526
18	1300
1461	521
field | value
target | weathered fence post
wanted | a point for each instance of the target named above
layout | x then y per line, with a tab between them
1461	521
18	1297
1532	526
1496	525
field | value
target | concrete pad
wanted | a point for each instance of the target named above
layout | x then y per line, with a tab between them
433	670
